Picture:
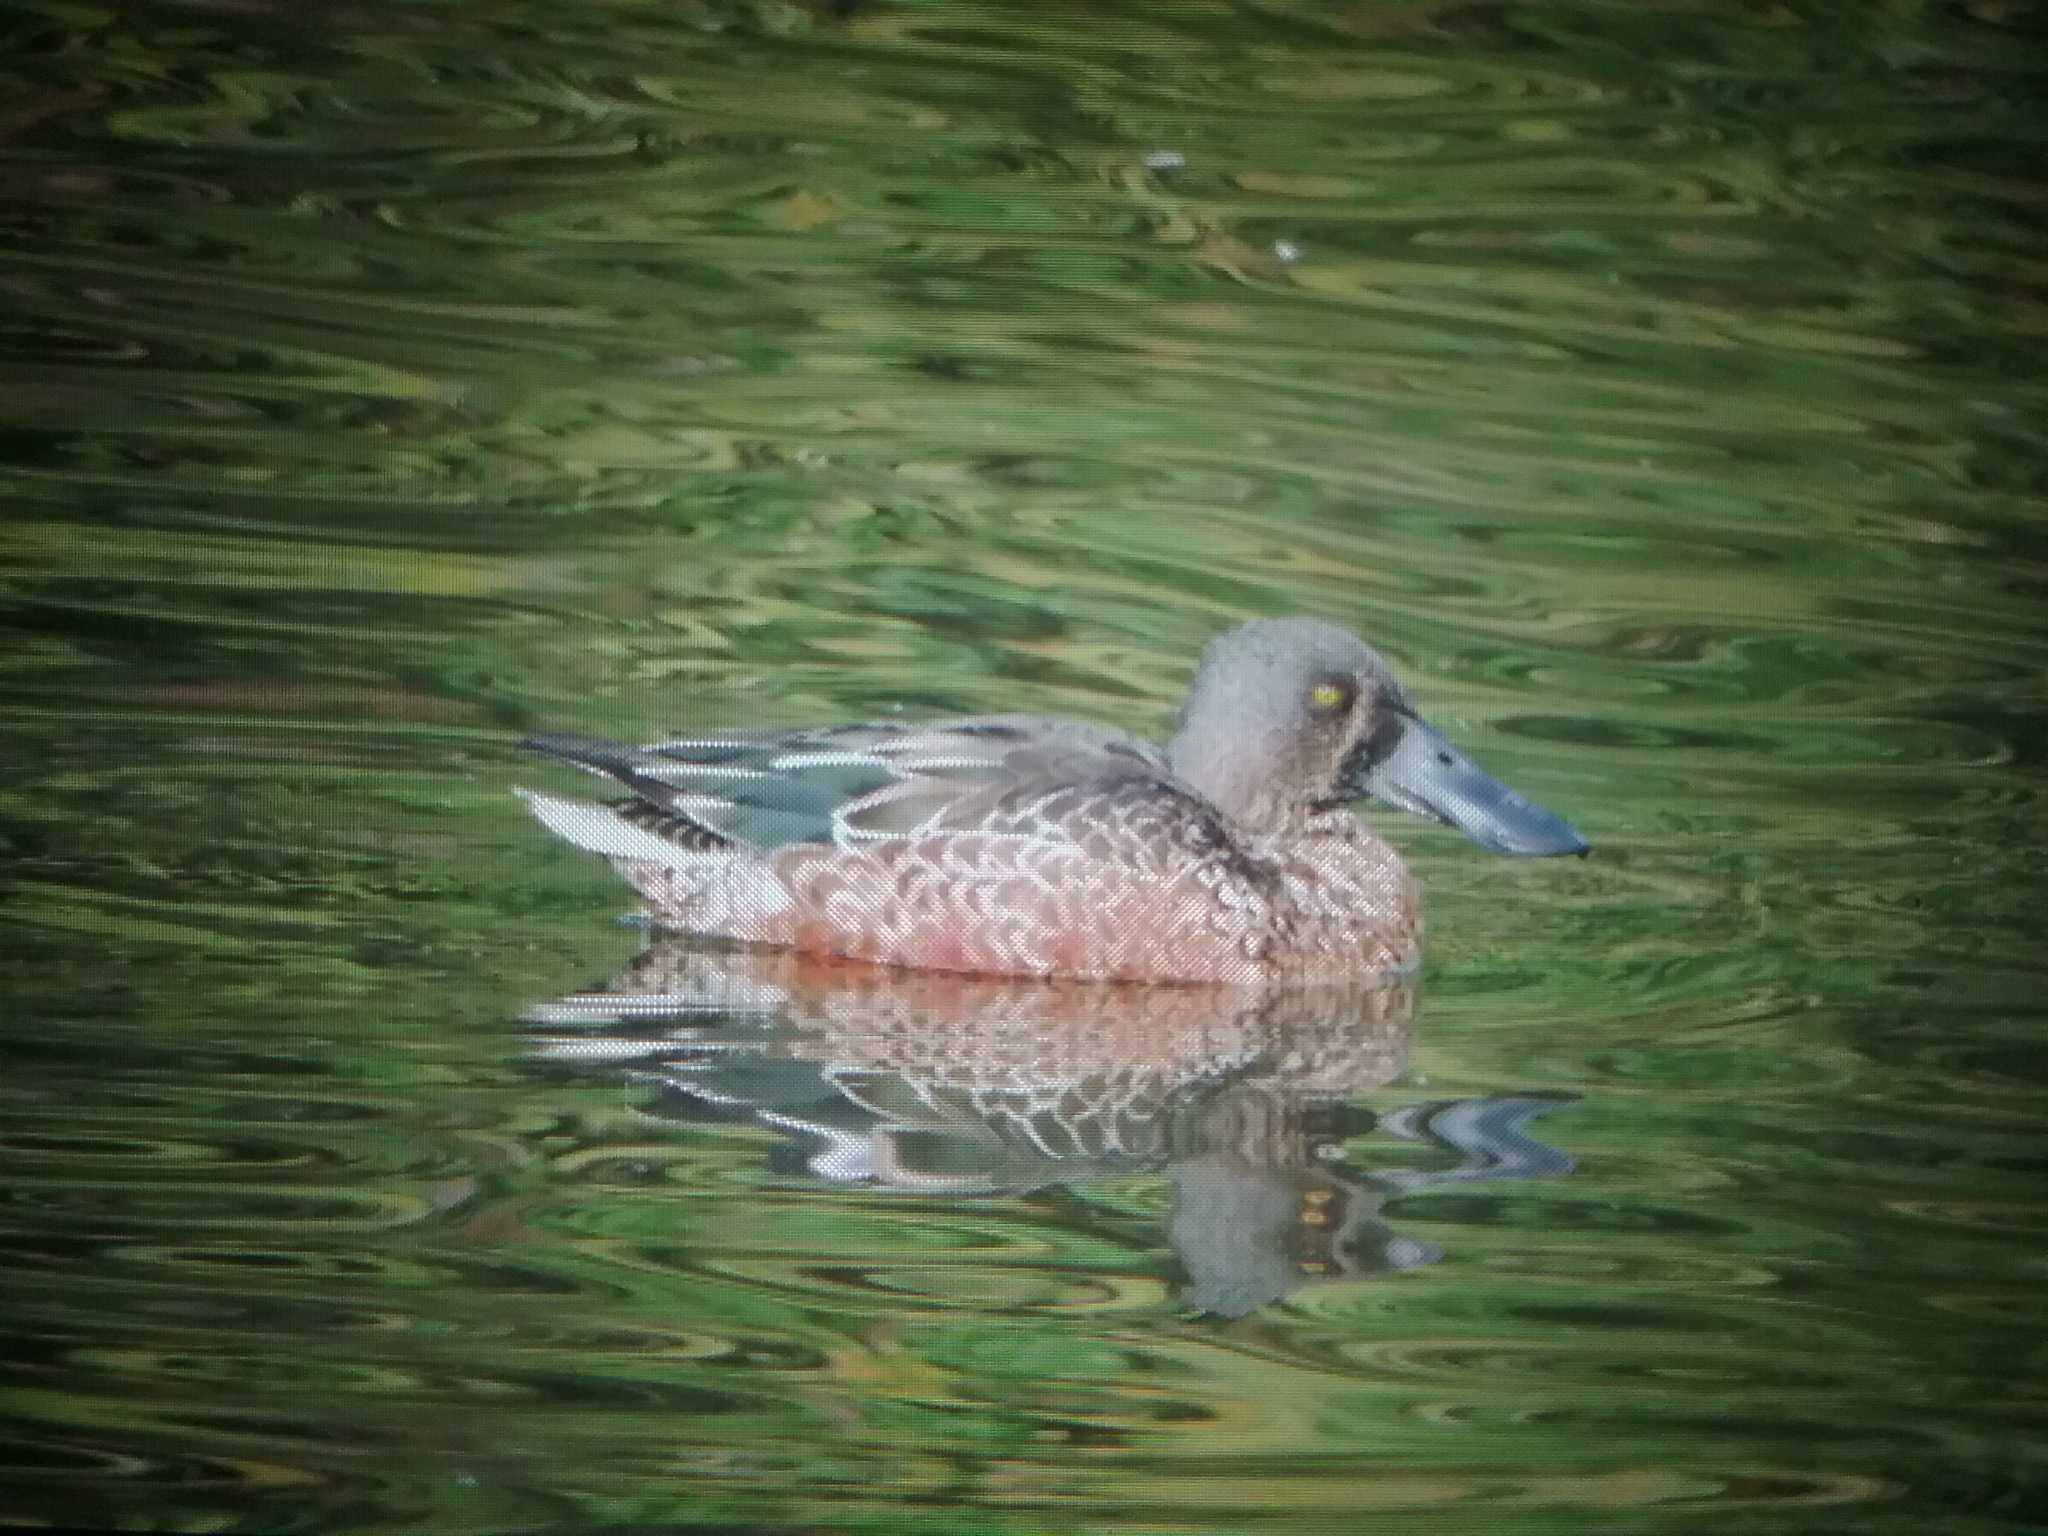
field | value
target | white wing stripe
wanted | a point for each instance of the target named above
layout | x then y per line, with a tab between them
668	771
790	762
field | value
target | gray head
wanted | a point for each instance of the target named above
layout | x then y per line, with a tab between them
1277	710
1289	719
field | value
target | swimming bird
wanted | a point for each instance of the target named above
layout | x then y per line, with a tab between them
1023	845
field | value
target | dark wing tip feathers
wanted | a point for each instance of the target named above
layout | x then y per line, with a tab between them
613	759
584	751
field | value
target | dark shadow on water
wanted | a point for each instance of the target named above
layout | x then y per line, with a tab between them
935	1084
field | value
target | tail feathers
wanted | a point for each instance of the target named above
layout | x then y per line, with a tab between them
600	829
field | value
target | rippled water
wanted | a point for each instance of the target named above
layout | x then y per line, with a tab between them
1658	387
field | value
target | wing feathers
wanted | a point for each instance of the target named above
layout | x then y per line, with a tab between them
848	786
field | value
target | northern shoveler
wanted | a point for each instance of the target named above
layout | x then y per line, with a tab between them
1025	846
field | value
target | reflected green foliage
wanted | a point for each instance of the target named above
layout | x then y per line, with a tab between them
1658	386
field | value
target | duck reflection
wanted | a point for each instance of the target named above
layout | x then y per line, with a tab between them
942	1084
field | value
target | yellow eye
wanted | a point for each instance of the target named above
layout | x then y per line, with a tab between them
1329	697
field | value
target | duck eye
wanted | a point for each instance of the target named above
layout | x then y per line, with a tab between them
1331	696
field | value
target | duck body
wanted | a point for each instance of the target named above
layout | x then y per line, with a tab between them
1028	846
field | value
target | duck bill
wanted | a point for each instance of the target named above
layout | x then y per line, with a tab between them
1425	774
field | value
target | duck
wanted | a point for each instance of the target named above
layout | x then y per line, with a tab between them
1038	847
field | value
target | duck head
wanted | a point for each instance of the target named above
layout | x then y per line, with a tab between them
1289	719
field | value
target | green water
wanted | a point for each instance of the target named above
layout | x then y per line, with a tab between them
1660	389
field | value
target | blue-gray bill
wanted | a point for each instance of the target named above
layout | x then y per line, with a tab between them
1427	775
